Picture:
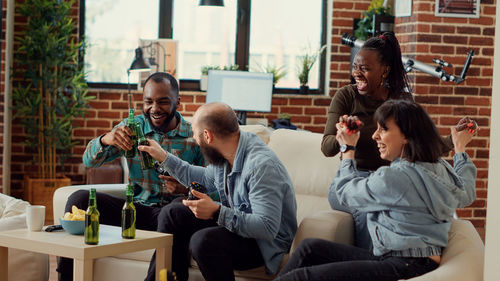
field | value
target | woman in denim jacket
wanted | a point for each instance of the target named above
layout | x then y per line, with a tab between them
409	204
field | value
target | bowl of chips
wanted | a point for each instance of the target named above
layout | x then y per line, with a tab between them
74	222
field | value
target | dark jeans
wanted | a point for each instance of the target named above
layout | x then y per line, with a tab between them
216	250
110	209
322	260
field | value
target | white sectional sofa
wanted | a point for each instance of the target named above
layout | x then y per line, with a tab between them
311	175
23	265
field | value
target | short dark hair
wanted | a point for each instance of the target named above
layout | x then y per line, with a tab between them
389	52
222	122
160	76
424	141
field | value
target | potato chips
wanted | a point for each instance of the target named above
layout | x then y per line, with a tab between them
75	215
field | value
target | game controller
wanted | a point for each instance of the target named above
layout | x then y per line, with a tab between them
468	124
160	169
352	123
198	187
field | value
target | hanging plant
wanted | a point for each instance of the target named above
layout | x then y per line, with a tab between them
49	88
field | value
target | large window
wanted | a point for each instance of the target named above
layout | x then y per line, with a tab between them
255	34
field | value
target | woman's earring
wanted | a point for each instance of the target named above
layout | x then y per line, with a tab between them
402	152
384	81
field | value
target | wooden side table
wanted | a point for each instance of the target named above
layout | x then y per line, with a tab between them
72	246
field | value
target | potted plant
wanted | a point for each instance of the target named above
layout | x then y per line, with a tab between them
49	91
364	28
204	75
306	62
278	72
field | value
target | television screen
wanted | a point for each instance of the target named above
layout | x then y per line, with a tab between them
241	90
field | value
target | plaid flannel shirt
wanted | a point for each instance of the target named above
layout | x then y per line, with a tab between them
148	188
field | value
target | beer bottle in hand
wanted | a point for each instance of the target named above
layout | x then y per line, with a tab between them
146	159
92	220
128	215
131	125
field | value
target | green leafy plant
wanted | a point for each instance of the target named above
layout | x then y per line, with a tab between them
49	83
232	67
306	62
206	68
278	72
365	25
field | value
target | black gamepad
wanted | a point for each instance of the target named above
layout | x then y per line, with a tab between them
160	169
198	187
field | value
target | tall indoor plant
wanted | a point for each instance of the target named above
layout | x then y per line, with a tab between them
49	88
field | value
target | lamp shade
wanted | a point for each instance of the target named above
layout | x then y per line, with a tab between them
211	3
139	63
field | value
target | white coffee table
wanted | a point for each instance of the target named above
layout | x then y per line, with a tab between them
62	244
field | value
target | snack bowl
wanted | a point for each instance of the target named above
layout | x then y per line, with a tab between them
73	227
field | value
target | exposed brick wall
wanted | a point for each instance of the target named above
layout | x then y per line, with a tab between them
423	37
2	85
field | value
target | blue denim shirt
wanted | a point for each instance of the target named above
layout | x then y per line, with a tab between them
260	202
149	189
408	205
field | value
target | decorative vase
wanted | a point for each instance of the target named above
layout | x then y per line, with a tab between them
304	90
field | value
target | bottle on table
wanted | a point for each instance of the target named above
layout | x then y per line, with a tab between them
147	161
131	125
128	215
92	220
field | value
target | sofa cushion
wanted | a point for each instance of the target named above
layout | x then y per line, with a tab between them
11	207
300	151
263	132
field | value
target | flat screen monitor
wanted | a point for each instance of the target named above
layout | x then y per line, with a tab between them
241	90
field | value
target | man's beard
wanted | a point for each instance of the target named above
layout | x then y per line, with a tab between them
165	124
213	156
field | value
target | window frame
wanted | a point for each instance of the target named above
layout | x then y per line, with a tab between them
242	50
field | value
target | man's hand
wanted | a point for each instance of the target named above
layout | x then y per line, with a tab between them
204	208
154	149
173	186
118	137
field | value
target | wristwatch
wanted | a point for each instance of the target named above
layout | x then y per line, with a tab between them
345	147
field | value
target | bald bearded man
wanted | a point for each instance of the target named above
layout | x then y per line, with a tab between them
255	221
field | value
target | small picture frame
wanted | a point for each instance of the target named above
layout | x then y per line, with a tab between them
402	8
458	8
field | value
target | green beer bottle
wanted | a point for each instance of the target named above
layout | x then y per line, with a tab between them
92	220
131	125
146	159
128	215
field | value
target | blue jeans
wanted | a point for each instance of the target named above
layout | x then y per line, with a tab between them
322	260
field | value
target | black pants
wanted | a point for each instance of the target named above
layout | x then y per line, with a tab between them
216	250
110	209
322	260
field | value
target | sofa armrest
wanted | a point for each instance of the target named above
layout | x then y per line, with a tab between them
330	225
61	195
463	258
